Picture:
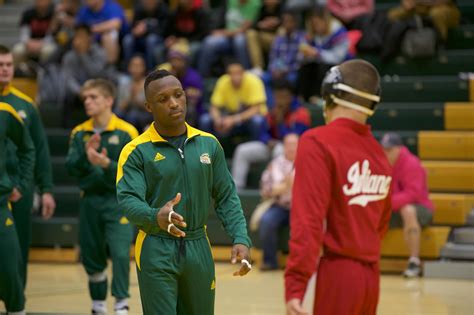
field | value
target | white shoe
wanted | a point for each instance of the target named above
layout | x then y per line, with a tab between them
122	311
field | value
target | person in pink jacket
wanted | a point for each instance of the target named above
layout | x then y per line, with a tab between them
411	205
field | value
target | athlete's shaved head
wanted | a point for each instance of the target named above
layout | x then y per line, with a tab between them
360	75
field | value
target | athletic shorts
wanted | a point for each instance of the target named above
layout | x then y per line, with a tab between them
423	214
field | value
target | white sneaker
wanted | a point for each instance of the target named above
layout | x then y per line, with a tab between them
122	311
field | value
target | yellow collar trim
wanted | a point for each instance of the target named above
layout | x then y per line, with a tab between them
88	125
6	90
156	137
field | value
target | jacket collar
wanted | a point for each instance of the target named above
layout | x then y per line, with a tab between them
191	132
111	126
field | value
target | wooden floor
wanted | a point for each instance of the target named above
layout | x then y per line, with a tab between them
62	289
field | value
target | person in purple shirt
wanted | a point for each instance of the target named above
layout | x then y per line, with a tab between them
191	80
107	20
412	208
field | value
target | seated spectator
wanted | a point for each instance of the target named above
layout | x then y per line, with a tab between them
326	45
239	17
188	22
444	13
178	65
238	104
287	116
260	37
62	25
283	63
412	208
85	61
34	42
150	21
131	105
276	183
351	12
107	21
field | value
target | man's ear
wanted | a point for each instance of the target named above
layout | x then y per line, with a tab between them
148	107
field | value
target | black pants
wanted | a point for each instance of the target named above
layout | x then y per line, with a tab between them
310	77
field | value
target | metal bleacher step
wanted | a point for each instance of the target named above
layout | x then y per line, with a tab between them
55	232
462	270
464	235
458	251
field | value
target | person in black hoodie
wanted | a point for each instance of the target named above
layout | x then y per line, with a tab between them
150	23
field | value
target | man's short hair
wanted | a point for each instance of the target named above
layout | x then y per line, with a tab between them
361	75
283	84
106	87
155	75
83	27
4	50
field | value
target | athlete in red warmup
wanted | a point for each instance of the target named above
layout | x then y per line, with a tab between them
340	200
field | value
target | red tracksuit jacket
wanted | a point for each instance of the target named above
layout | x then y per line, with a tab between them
343	177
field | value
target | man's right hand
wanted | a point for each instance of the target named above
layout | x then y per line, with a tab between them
163	217
294	307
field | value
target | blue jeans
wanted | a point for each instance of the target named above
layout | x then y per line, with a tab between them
254	127
272	221
146	44
215	46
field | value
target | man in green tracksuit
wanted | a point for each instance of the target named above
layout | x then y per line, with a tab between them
94	149
42	173
11	285
166	179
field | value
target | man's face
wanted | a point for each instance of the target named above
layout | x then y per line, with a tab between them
150	5
94	4
290	146
6	68
288	22
95	102
236	73
166	100
136	67
282	99
178	65
81	41
319	25
186	4
42	5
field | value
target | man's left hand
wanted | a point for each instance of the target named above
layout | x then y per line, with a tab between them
95	158
241	253
48	205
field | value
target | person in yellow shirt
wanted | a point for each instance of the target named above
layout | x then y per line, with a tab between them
238	105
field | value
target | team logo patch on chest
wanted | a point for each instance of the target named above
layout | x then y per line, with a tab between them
22	114
114	139
159	157
364	186
205	159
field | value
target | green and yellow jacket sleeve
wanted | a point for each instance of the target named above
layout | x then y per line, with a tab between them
131	190
18	133
227	203
43	171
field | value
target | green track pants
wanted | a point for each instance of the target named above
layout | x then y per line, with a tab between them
176	276
103	230
11	285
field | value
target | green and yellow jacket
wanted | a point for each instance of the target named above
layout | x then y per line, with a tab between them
13	129
94	179
151	172
24	106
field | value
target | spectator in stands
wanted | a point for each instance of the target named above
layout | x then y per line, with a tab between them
34	26
351	12
230	38
444	13
238	105
85	61
326	45
188	22
131	106
178	65
283	62
62	25
150	21
260	37
286	117
277	183
411	205
107	21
